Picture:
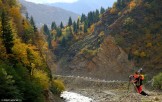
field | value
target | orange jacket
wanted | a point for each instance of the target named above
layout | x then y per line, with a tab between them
136	76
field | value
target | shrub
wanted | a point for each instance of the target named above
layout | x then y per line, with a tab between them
42	78
129	22
157	81
7	86
119	39
101	34
89	52
57	87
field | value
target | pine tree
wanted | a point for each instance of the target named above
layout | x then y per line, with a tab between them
85	26
97	15
63	42
69	34
61	25
70	21
7	33
46	30
59	32
74	27
33	24
90	18
83	18
8	87
53	26
28	32
78	21
27	15
102	10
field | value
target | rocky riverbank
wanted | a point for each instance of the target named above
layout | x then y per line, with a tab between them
119	95
108	91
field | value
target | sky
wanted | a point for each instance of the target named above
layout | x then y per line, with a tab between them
52	1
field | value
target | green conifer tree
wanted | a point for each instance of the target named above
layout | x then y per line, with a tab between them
70	21
85	26
74	27
83	18
46	30
53	26
102	10
78	21
61	25
59	32
32	22
7	32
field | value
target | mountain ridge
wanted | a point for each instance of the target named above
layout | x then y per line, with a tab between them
44	14
83	6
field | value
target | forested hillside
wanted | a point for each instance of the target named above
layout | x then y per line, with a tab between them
113	42
137	29
24	71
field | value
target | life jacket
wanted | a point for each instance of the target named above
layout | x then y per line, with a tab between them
137	79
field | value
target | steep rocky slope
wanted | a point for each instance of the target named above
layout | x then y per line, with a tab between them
122	36
109	62
137	30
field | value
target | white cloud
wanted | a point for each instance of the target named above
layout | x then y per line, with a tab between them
51	1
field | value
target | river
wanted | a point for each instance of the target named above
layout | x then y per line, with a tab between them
74	97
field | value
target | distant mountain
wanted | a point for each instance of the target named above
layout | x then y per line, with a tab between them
84	6
44	14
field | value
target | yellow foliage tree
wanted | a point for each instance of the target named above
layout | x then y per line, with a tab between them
36	58
132	5
15	13
28	32
136	53
42	78
142	54
17	18
53	32
54	44
19	51
1	3
57	86
91	29
149	44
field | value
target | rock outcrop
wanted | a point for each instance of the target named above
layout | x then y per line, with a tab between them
108	62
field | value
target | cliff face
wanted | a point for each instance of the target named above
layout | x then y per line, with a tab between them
111	61
108	61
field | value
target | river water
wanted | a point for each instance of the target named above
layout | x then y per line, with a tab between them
74	97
